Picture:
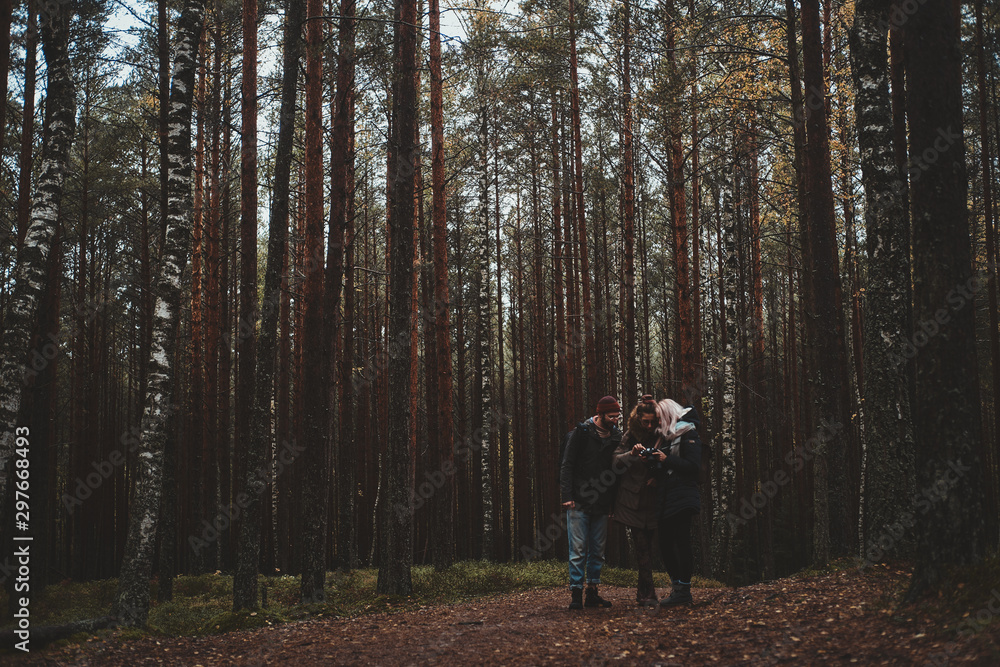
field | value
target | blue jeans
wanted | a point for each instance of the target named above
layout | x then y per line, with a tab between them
588	533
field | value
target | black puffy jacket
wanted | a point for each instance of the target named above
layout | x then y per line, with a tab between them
678	483
586	476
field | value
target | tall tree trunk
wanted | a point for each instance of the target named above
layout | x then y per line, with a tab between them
699	372
245	594
593	388
484	367
559	251
32	261
630	392
799	143
678	219
989	222
27	128
6	10
313	345
947	411
397	523
444	517
726	521
833	525
163	100
333	321
347	544
132	599
888	463
250	464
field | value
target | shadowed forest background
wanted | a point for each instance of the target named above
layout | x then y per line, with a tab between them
298	286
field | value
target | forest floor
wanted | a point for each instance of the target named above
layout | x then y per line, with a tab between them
843	617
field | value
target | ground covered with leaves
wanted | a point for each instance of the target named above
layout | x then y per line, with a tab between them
842	617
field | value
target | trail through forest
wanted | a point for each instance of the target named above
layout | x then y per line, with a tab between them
842	618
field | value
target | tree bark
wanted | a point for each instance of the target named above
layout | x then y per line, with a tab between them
989	222
630	392
250	464
245	594
313	346
32	261
444	517
132	599
6	10
484	366
888	463
27	128
397	522
833	528
947	410
678	219
163	98
593	389
725	521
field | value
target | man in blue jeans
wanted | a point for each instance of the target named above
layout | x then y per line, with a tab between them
588	484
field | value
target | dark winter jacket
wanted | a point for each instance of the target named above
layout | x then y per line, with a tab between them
586	476
635	504
678	482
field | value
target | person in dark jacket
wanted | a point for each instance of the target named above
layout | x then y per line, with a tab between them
635	505
679	498
587	484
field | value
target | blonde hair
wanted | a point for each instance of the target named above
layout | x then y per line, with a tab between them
670	412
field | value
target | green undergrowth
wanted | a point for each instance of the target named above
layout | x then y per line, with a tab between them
202	604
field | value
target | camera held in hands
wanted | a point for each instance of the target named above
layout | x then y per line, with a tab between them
649	452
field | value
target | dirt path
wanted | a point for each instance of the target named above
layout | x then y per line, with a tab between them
833	619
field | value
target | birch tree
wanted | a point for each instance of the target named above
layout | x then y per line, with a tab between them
889	456
726	521
32	260
131	604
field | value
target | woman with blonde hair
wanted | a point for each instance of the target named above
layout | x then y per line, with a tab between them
678	497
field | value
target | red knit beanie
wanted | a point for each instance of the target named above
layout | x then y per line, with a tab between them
608	404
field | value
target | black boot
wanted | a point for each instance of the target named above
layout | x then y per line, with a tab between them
595	600
648	600
680	595
576	601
